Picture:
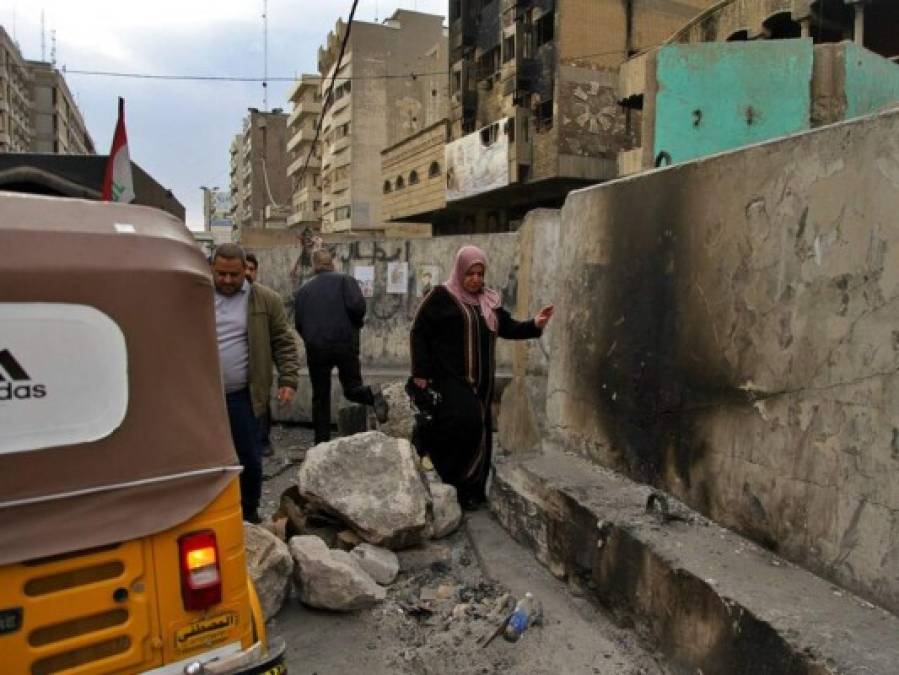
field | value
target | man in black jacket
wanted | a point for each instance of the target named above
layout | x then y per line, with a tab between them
330	311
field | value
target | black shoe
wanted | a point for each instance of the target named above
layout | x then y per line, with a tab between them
379	403
252	516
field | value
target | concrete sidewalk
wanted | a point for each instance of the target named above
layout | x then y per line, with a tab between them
711	600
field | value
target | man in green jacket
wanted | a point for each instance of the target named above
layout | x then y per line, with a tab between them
253	333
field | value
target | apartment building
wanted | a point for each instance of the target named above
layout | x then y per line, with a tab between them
260	190
760	69
413	181
16	125
391	84
533	103
59	127
304	154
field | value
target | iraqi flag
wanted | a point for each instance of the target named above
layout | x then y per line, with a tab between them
118	186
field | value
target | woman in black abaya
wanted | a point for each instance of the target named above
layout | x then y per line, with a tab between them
453	341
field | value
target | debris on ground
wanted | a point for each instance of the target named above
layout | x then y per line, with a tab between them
400	422
331	578
381	564
337	478
270	566
446	512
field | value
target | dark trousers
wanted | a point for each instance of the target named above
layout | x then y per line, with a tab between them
321	361
245	434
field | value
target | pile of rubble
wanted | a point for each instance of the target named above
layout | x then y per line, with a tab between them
356	501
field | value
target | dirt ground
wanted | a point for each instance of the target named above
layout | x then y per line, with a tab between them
439	612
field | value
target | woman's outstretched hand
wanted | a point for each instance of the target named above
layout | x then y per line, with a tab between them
543	316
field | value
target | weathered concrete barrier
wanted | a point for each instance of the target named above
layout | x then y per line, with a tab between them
727	331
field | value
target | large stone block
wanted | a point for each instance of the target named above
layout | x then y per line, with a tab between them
269	565
331	579
371	482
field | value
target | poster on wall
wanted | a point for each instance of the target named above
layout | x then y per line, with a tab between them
427	277
397	278
478	162
365	275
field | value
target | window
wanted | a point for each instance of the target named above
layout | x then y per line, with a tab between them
387	187
400	183
434	170
457	80
413	177
508	48
544	31
488	134
342	213
316	205
488	63
544	117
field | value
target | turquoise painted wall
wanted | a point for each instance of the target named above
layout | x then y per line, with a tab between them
714	97
872	81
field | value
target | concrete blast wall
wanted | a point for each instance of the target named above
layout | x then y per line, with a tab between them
728	329
385	338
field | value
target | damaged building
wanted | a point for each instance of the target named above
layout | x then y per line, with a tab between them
391	84
533	103
746	71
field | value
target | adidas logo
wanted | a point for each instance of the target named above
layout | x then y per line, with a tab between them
15	383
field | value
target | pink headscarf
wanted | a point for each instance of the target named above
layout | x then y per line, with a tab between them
488	299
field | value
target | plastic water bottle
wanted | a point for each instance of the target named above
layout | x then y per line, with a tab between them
528	611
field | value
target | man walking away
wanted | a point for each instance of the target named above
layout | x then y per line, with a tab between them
253	332
330	311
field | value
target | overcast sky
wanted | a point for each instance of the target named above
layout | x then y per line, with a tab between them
180	132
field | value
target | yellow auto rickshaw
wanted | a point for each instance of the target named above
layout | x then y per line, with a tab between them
121	540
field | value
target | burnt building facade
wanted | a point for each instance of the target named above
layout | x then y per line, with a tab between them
533	107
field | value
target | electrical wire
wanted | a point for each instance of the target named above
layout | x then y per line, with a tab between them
329	97
238	78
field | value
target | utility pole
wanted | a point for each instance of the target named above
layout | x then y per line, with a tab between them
43	39
265	55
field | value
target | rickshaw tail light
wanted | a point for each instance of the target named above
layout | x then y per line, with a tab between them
201	579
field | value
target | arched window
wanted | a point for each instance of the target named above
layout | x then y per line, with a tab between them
387	187
413	177
400	183
434	169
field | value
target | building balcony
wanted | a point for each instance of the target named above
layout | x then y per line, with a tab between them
338	187
305	217
302	135
344	225
307	194
341	144
302	83
303	109
297	164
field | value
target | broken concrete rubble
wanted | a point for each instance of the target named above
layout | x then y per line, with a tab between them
447	514
401	419
382	565
331	579
425	556
369	481
269	564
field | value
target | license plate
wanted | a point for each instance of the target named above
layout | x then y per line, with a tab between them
10	620
206	632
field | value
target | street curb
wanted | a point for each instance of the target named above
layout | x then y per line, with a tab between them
712	601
